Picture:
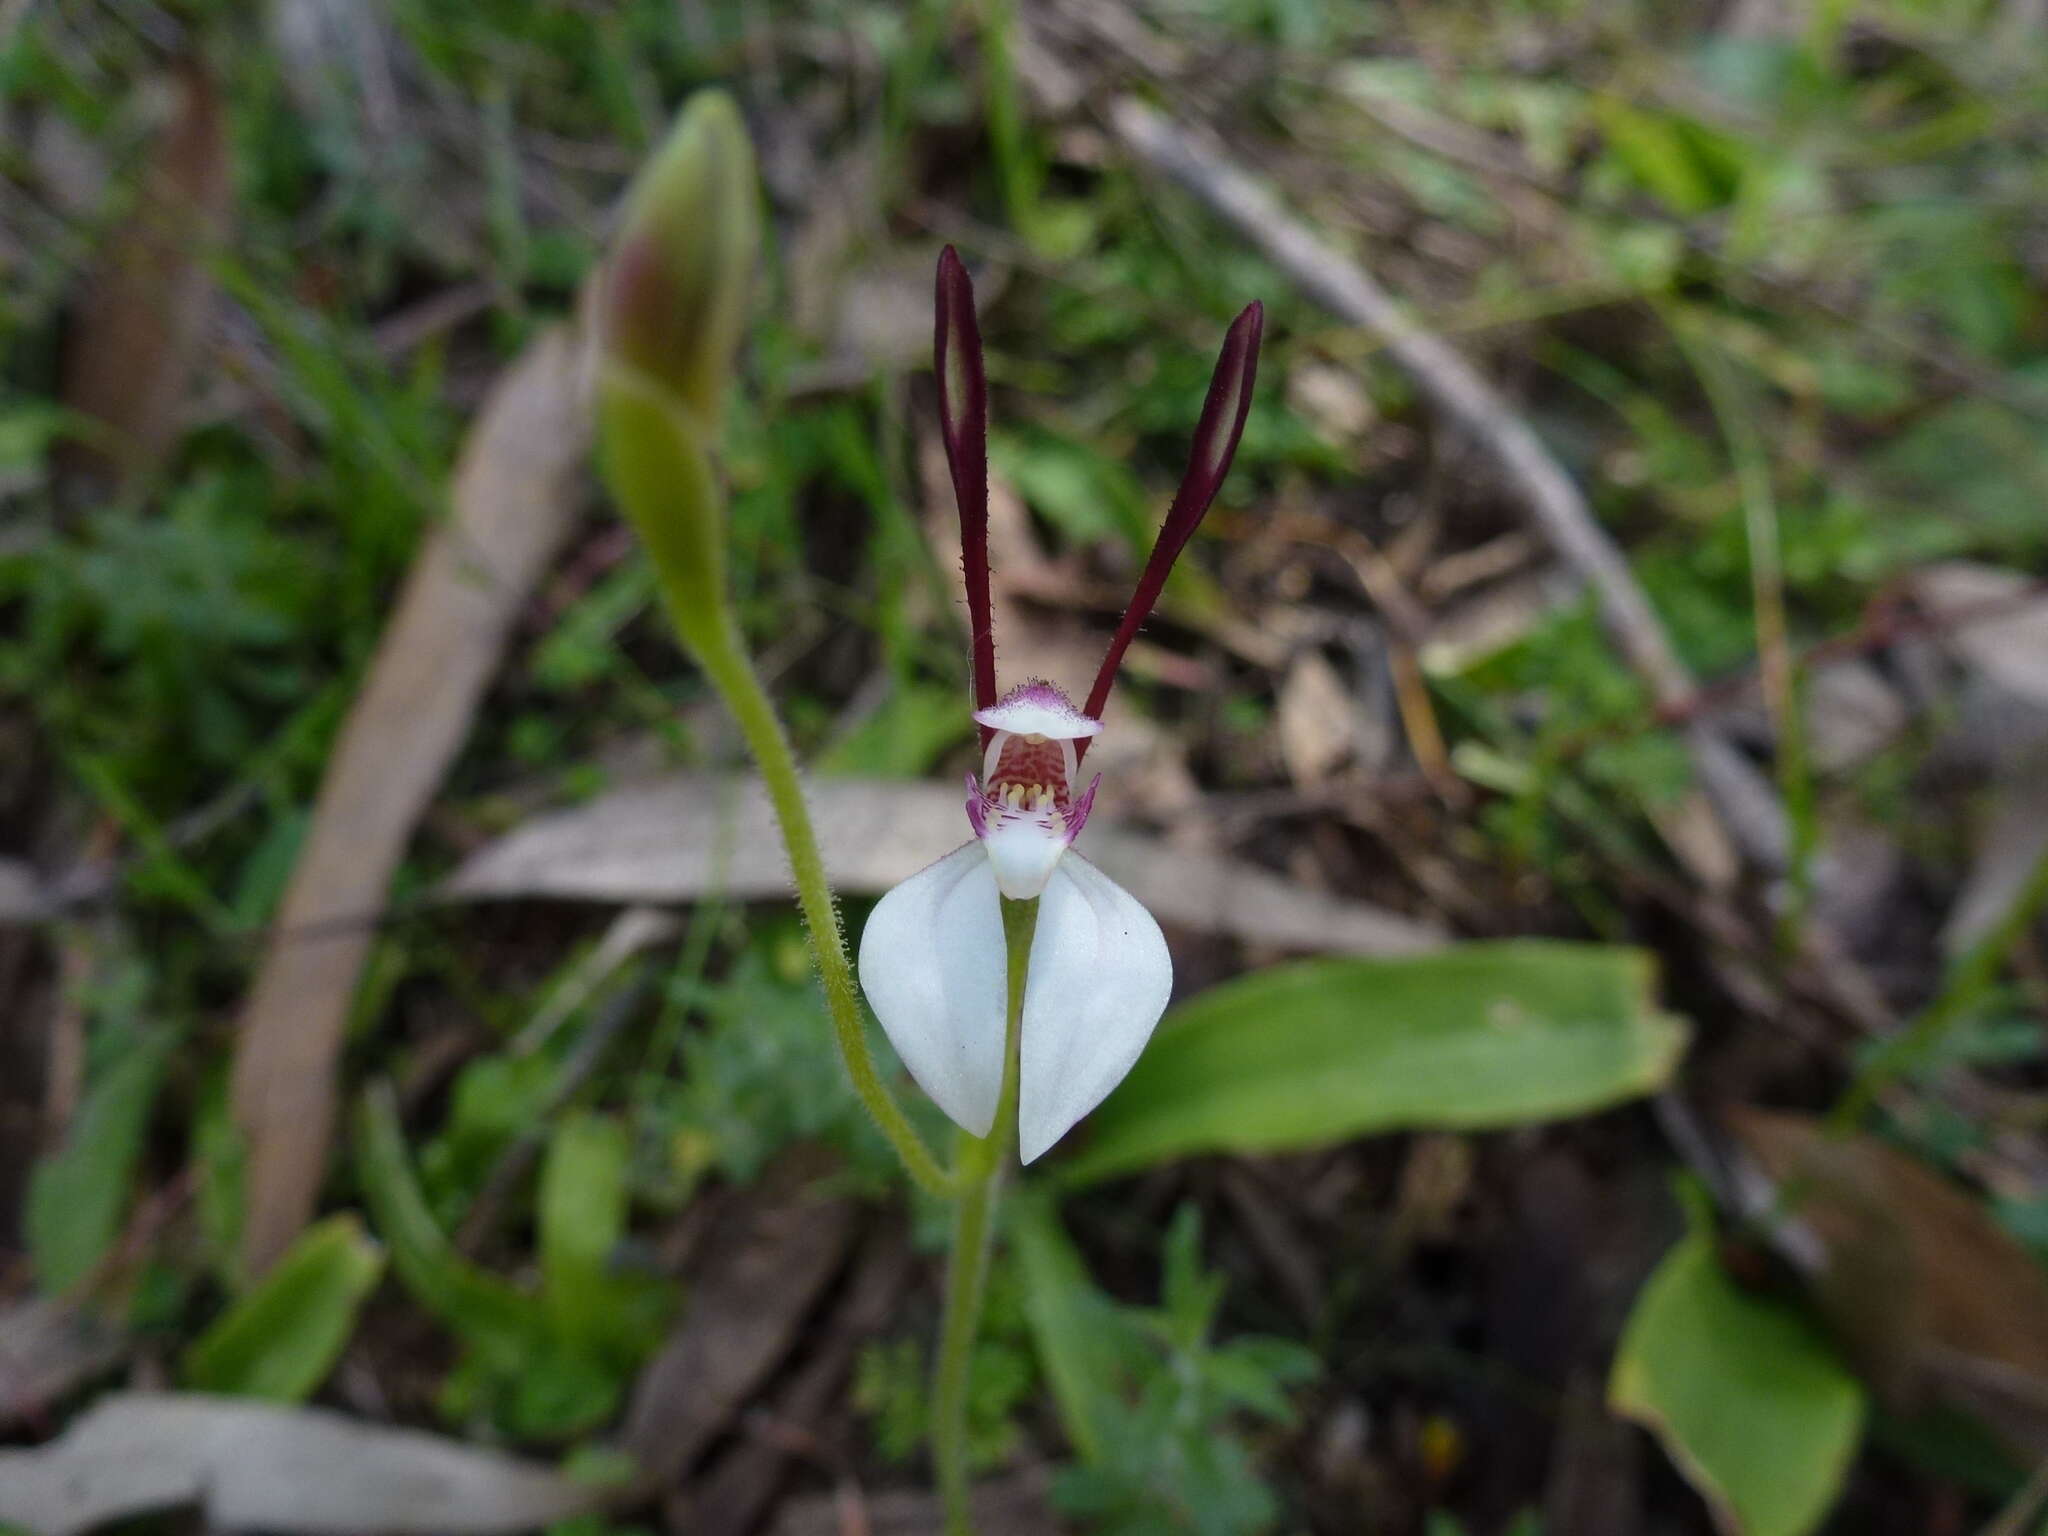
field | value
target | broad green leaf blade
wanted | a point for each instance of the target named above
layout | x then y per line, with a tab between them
281	1340
1471	1038
492	1316
1749	1399
1688	166
77	1195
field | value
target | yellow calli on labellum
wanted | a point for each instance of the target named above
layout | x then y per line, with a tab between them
933	959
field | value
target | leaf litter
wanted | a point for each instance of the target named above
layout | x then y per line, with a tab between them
516	488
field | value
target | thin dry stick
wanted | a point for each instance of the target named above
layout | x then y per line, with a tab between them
1747	807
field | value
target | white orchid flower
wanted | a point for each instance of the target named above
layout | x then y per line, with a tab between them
933	958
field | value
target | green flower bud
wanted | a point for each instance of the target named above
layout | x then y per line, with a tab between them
659	471
675	289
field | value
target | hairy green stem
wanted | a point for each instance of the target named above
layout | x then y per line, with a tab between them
725	662
979	1170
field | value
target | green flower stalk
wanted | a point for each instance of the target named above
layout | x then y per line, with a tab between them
672	308
1017	982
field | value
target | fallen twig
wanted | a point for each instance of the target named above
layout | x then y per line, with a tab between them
1747	808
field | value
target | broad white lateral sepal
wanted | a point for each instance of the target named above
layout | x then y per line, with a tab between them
933	965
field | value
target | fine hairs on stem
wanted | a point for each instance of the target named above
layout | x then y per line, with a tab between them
733	675
979	1170
948	950
975	1182
672	307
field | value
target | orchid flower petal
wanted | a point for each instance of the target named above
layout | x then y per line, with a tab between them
1100	977
963	423
1216	435
1024	848
1038	708
934	968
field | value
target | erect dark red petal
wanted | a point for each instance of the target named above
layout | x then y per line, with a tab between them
1222	424
963	421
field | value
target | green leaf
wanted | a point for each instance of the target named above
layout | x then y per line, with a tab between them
490	1315
1474	1037
902	739
496	1099
1072	1330
582	1216
220	1155
1081	491
1749	1398
1967	476
584	645
78	1194
281	1340
1689	167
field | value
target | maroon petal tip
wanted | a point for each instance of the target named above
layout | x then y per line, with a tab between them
1222	422
963	423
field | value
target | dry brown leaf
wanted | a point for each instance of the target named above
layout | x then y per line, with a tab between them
1852	714
769	1261
47	1350
1332	400
1315	720
2008	647
2009	844
1931	1295
22	897
684	838
1489	621
261	1466
1995	624
730	1497
513	499
143	314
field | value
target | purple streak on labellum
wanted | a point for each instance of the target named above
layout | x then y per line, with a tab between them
977	807
1077	813
1215	445
963	422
